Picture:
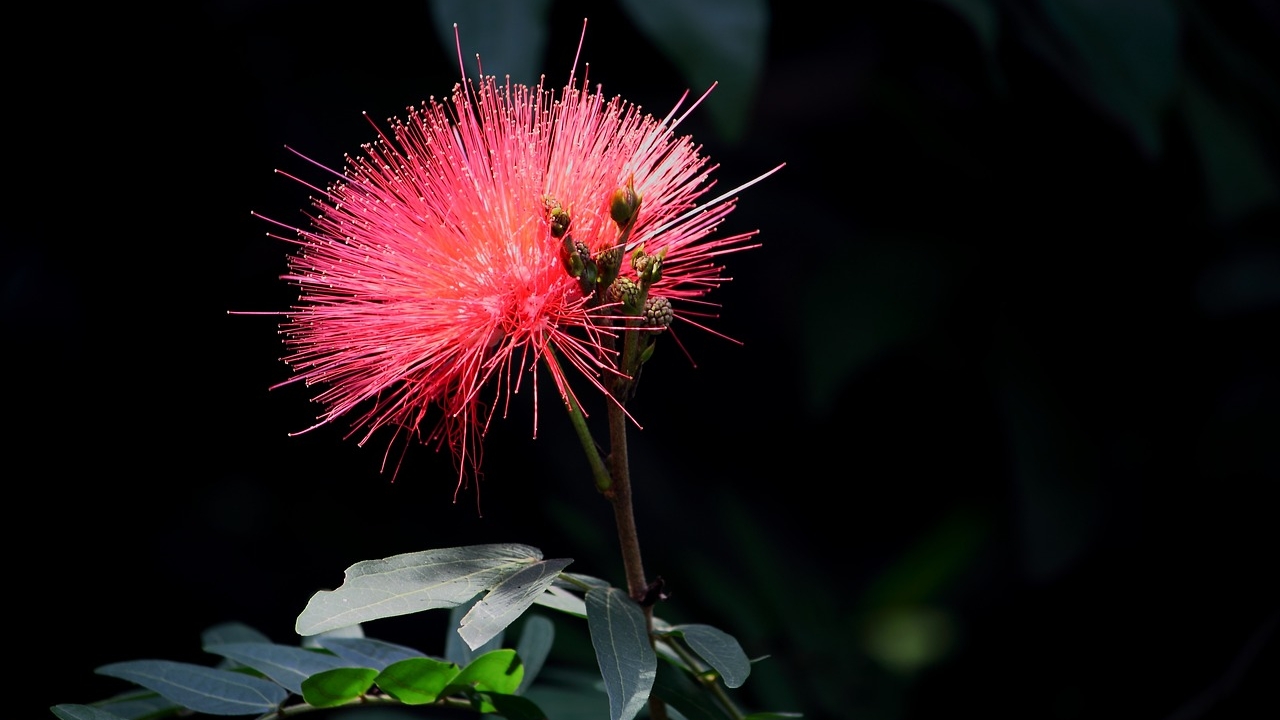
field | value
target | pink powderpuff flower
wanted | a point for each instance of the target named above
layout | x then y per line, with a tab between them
430	281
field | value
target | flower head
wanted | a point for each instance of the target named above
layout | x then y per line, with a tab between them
452	254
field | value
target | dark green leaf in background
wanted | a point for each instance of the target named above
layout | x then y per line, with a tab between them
83	712
537	636
510	36
714	41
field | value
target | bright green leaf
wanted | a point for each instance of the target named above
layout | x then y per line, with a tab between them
497	671
510	36
711	41
285	664
416	681
536	638
203	689
507	600
367	652
331	688
412	582
621	640
82	712
720	650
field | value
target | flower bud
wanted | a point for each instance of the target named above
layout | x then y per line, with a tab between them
624	291
657	313
624	204
557	216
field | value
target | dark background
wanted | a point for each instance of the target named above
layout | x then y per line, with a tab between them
997	440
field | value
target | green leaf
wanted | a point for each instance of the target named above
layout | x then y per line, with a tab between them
139	704
367	652
720	650
331	688
1124	56
558	598
284	664
231	632
677	688
514	707
497	671
417	681
456	649
1238	179
711	41
82	712
507	600
412	582
536	638
509	36
203	689
623	651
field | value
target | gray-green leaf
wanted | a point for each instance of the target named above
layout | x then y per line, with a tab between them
536	638
284	664
507	600
82	712
203	689
623	651
720	650
367	652
412	582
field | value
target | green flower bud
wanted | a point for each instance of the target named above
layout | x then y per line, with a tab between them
624	290
557	216
624	204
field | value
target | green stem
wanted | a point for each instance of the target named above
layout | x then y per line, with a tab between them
709	683
604	483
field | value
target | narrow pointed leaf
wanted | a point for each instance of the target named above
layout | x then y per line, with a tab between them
621	641
367	652
536	638
514	707
82	712
140	704
558	598
720	650
416	681
331	688
497	671
284	664
412	582
507	600
203	689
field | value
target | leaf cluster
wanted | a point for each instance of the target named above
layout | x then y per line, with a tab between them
486	588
